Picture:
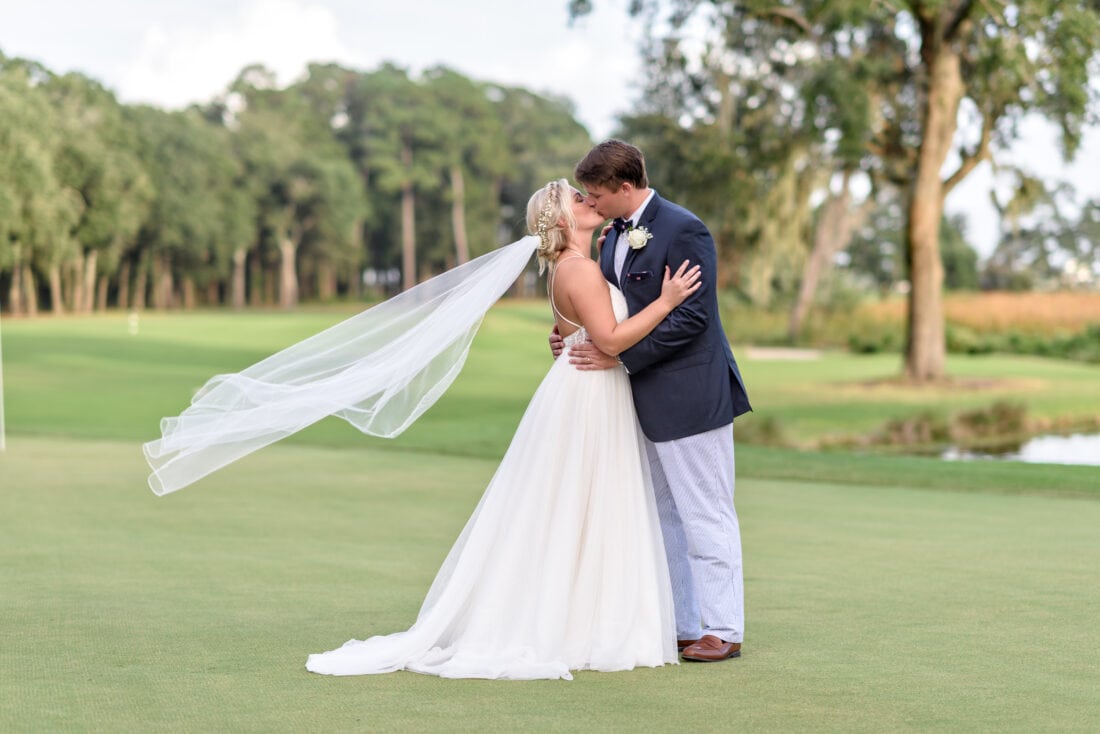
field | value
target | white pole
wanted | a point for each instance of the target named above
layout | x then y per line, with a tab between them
3	439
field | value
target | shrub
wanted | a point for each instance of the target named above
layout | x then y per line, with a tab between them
1000	420
762	430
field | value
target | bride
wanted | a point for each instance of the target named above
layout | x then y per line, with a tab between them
561	566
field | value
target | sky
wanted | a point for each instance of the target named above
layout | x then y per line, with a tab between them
175	53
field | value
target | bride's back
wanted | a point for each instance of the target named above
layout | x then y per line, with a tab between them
574	277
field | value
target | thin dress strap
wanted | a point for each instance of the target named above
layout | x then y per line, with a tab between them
550	292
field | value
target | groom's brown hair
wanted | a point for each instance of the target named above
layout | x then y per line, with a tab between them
611	163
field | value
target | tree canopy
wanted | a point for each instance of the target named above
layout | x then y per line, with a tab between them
267	194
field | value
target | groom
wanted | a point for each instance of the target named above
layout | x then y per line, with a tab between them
687	391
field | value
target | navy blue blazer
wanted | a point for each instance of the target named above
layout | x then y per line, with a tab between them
683	375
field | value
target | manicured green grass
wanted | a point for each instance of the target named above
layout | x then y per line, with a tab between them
92	378
838	467
122	384
870	608
884	593
842	393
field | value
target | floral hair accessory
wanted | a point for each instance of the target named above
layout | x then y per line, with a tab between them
546	218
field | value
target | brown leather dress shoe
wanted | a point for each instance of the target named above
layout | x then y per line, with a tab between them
681	644
710	649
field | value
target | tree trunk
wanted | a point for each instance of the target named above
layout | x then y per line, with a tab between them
326	281
288	272
15	290
162	282
458	215
408	222
270	297
355	281
213	294
124	285
101	293
140	283
168	282
255	282
925	349
88	288
832	235
188	292
240	256
56	304
73	284
30	291
155	290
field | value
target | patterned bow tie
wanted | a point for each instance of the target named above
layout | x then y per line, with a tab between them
621	225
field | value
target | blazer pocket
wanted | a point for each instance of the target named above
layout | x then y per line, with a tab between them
639	276
692	359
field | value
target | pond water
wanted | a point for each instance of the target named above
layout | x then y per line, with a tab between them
1081	448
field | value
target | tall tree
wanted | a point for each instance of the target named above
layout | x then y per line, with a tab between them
837	219
40	210
543	142
26	176
406	146
93	158
330	93
472	154
291	155
992	61
182	243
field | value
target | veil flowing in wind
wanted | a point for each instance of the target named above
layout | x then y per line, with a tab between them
379	370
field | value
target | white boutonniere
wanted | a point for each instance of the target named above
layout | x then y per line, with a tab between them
637	237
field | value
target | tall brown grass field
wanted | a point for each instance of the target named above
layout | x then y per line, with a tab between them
1065	311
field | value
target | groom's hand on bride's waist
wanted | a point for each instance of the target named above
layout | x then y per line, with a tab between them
586	356
557	344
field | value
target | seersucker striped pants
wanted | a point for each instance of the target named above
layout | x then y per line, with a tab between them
693	478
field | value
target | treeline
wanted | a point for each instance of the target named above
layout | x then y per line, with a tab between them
268	194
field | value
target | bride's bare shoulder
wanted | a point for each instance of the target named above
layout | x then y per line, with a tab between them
576	266
582	282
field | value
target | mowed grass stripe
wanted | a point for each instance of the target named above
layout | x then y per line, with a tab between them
870	608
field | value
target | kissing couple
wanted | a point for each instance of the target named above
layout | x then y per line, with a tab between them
607	539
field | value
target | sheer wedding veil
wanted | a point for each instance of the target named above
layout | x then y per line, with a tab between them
379	370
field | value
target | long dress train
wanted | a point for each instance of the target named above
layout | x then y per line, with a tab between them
561	566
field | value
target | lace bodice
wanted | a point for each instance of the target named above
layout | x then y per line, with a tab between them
618	306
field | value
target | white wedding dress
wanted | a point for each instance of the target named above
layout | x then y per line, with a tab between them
561	566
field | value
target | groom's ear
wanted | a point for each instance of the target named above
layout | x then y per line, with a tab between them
626	187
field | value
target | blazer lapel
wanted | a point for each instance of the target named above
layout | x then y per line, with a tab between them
645	219
607	257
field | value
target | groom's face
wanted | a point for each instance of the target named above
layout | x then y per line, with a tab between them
610	203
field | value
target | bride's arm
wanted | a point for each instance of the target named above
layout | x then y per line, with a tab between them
591	300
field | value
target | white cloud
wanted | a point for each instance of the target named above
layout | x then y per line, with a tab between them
180	65
599	82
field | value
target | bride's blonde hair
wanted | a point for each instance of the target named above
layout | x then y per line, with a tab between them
550	216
